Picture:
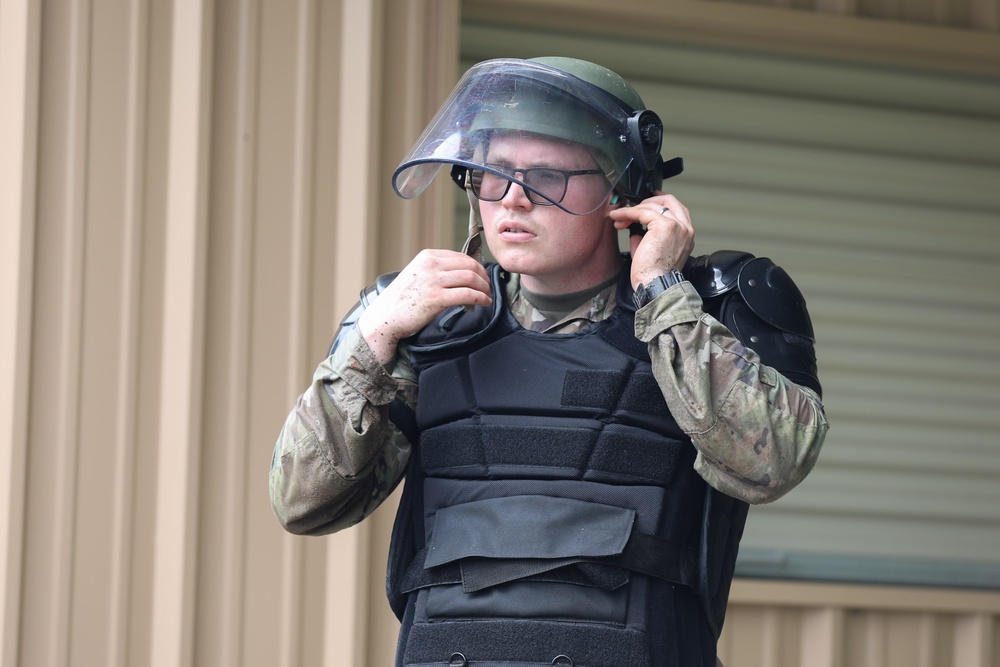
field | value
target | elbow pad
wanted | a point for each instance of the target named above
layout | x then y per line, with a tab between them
761	305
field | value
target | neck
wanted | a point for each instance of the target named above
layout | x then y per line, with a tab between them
557	306
577	281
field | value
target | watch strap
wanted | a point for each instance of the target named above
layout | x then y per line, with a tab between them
657	286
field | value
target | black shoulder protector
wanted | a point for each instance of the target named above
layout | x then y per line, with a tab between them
758	301
368	294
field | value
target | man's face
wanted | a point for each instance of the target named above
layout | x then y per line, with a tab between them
556	252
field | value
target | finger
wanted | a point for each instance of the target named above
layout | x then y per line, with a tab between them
460	277
446	259
462	295
674	205
642	215
444	270
469	296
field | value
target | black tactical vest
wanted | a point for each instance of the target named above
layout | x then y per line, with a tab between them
551	513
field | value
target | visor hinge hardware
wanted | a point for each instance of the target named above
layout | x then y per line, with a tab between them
458	660
651	135
562	661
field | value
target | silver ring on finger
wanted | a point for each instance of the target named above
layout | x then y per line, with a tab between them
664	210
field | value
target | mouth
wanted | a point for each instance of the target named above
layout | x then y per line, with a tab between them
512	226
513	232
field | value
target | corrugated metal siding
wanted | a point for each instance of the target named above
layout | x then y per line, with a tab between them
188	204
773	624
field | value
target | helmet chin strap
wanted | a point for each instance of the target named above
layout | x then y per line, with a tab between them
473	246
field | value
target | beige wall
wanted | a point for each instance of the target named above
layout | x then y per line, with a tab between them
185	189
190	195
825	625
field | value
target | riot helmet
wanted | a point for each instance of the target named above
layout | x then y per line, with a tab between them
561	98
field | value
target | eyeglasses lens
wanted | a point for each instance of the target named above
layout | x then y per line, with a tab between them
549	185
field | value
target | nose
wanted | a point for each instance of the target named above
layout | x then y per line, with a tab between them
516	197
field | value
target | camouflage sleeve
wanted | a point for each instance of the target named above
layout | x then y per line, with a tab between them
757	433
338	455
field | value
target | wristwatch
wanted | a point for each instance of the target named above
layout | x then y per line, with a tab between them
646	293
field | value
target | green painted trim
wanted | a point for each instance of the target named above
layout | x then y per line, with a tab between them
787	565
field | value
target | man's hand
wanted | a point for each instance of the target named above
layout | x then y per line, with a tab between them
668	240
433	281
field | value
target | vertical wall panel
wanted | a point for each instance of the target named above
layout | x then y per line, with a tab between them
155	75
222	548
179	438
122	515
52	478
822	632
20	48
104	318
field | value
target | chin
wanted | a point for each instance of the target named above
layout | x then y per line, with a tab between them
515	262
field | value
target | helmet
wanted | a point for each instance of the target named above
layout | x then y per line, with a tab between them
564	98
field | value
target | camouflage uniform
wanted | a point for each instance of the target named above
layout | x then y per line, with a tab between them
757	434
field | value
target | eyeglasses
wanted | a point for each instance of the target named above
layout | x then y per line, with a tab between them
546	186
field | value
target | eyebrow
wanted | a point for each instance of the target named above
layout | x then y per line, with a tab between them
507	162
509	165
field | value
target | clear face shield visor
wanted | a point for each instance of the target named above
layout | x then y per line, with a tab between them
525	98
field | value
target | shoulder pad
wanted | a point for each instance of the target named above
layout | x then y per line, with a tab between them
715	274
368	295
773	297
765	287
372	291
758	302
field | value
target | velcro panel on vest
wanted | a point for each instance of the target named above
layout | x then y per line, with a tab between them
596	389
605	389
476	574
500	643
509	441
632	453
534	527
531	599
576	447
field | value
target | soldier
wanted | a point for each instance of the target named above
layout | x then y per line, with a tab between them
581	430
